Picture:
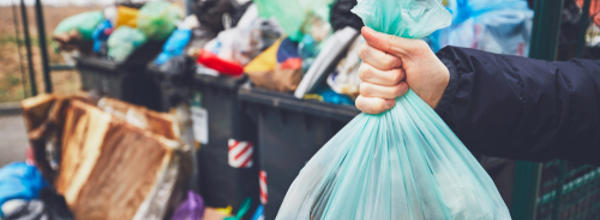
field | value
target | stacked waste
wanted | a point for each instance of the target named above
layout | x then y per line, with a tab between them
299	54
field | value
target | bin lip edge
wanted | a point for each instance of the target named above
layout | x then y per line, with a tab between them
96	63
230	83
289	102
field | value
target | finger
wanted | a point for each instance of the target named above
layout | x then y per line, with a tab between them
370	74
386	92
378	58
389	43
373	105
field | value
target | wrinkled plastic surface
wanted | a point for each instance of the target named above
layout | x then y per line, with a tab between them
243	43
123	41
222	66
101	34
85	23
405	163
292	15
192	208
259	214
341	16
157	19
20	180
126	16
174	45
497	26
405	18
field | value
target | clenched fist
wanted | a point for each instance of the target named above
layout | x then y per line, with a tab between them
391	65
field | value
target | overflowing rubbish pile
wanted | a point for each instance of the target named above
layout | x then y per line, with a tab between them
211	115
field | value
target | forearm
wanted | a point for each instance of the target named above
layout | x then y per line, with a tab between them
522	108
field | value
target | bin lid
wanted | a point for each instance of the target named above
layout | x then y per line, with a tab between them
220	81
97	63
291	103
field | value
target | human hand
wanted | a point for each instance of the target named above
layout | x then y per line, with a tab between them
391	65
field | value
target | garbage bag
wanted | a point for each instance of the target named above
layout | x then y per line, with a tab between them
297	17
405	163
277	68
497	26
212	13
101	34
123	41
20	180
85	23
50	205
243	43
174	45
191	208
157	19
341	16
126	16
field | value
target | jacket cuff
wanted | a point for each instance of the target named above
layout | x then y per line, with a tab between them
447	99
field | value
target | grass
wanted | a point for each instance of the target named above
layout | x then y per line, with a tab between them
11	79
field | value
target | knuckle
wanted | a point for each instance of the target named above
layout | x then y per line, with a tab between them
363	51
363	105
388	62
396	76
359	103
379	106
364	89
397	91
364	72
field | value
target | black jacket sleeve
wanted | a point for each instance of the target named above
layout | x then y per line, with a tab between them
523	108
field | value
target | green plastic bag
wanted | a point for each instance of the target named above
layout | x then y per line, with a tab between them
292	15
85	23
405	163
123	41
158	19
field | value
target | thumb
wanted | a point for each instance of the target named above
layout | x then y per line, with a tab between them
391	44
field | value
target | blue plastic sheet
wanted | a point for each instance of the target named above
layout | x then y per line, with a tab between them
20	180
405	163
174	45
101	34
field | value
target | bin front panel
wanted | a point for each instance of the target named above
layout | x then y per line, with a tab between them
287	140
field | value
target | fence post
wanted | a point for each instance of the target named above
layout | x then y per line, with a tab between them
39	15
25	22
544	45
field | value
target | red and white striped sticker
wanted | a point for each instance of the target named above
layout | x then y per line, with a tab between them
240	153
262	182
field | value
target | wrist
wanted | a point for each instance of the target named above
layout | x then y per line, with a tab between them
448	93
440	88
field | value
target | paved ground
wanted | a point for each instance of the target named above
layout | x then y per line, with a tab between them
13	139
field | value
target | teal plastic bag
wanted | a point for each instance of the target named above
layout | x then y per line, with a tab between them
158	19
123	41
85	23
405	163
292	15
